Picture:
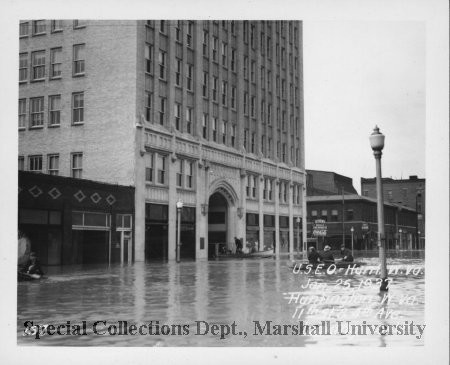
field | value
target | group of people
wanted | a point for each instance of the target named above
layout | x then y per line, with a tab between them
326	256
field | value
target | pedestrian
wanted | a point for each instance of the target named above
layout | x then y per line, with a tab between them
327	256
346	254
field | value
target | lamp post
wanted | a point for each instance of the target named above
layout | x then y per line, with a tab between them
418	236
179	208
377	144
298	220
352	230
400	231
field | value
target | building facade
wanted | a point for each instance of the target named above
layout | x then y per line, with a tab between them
408	192
208	113
355	215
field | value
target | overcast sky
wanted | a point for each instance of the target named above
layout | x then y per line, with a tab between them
356	75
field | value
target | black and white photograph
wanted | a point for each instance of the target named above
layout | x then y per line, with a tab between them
273	182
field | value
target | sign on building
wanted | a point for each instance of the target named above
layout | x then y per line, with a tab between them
319	228
365	226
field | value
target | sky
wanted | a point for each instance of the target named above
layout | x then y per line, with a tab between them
358	74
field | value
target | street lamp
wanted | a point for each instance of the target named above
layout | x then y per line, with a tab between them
352	230
418	233
298	220
377	144
400	231
179	208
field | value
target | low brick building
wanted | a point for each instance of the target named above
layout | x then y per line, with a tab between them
76	221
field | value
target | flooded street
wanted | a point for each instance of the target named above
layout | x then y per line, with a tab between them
217	292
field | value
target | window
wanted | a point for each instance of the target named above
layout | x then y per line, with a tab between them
148	58
277	85
190	29
214	48
162	65
22	113
278	149
57	26
269	147
246	67
189	76
205	84
283	157
77	108
324	215
233	135
233	97
35	163
189	174
37	112
366	193
214	129
214	88
224	54
53	164
263	77
162	109
269	189
246	139
283	89
178	72
349	215
78	59
252	35
79	23
252	71
224	92
263	138
233	59
252	107
269	81
334	215
246	103
205	126
269	48
38	27
189	120
23	29
23	67
178	26
54	110
77	165
177	114
232	27
179	169
161	169
389	193
224	132
55	62
21	163
245	32
252	150
269	114
263	111
149	167
205	43
162	26
148	106
38	65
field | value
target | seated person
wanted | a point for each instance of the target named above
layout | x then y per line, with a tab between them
313	255
32	266
327	256
346	254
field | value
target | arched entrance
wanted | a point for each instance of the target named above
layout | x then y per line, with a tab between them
217	224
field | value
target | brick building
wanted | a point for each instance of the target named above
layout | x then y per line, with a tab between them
342	213
408	192
209	113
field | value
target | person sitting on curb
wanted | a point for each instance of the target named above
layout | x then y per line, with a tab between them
313	255
346	254
32	266
327	256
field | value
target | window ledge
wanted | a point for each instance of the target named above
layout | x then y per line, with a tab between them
79	75
36	127
78	123
54	125
55	78
38	80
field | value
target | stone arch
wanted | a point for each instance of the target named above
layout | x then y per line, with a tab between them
226	189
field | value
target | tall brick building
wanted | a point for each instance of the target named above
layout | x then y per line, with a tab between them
408	192
209	113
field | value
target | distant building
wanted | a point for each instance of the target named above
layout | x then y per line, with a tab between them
327	183
332	198
408	192
341	214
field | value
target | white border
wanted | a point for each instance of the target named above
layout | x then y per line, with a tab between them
433	12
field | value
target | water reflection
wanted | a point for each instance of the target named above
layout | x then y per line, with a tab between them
218	292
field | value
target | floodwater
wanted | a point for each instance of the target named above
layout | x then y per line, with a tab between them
221	293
